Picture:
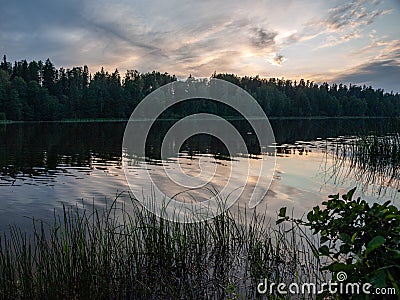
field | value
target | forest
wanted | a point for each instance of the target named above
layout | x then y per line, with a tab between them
37	90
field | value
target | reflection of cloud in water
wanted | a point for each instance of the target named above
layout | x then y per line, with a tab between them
211	172
302	180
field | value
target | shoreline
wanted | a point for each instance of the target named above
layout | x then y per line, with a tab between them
229	118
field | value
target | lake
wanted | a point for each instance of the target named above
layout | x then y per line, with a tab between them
46	165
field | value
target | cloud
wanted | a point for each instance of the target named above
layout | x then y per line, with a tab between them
334	40
340	24
27	27
197	37
263	38
349	16
276	59
380	69
380	49
380	74
391	50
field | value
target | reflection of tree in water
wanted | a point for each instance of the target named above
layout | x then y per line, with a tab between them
48	149
45	149
291	130
199	143
287	150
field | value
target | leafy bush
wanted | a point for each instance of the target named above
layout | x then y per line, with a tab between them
357	238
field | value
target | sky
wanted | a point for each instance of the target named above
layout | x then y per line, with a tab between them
345	42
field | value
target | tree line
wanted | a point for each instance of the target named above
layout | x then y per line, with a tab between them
36	90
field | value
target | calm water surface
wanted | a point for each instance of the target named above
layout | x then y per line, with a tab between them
46	165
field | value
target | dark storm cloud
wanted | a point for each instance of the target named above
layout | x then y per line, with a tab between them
380	74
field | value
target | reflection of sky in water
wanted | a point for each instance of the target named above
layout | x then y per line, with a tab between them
300	182
82	164
35	197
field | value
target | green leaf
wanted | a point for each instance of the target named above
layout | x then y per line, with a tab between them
310	216
374	243
396	253
323	239
345	237
282	212
389	217
379	279
337	267
353	237
334	196
280	221
393	281
324	250
349	194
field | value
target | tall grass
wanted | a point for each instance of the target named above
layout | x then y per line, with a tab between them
130	253
369	159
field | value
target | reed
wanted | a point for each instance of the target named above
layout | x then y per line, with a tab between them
369	159
121	252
